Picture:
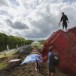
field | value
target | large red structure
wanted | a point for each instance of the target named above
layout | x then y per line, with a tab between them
65	42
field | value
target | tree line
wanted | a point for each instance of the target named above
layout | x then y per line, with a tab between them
12	41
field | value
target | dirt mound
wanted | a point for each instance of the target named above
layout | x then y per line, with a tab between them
27	70
3	73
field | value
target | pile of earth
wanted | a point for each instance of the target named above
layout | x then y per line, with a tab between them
26	69
29	70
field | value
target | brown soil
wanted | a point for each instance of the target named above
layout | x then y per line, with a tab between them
29	70
26	70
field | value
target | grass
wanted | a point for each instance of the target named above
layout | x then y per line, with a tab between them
2	55
10	53
7	54
2	65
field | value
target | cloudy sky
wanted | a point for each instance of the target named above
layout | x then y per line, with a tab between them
34	19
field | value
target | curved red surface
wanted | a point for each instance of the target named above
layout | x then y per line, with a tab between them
65	42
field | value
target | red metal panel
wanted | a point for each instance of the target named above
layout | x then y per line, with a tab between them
65	42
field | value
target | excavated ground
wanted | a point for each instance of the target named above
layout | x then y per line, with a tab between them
26	70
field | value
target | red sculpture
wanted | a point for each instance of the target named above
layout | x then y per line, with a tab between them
65	42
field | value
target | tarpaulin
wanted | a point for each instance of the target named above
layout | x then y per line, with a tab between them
32	58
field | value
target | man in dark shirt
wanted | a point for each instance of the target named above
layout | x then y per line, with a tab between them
64	20
51	61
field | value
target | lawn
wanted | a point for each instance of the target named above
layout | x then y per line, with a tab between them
7	54
3	64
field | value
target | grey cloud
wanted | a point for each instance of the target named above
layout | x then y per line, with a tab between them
17	25
3	12
35	3
47	24
49	21
46	27
9	21
14	3
69	1
20	25
3	2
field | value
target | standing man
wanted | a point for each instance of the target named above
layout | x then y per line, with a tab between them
51	63
64	20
